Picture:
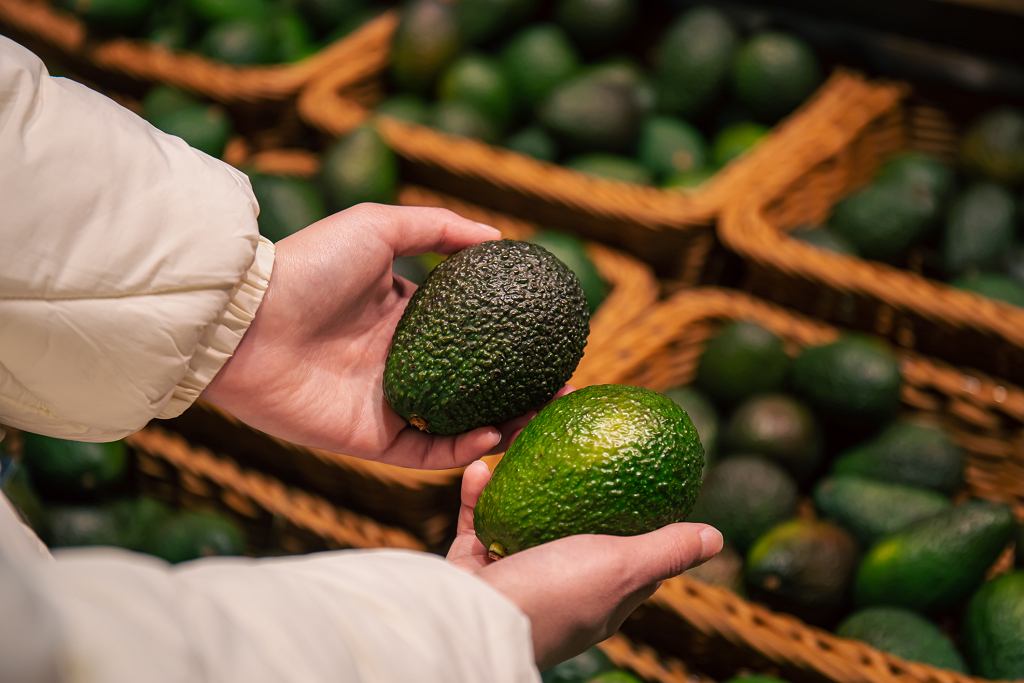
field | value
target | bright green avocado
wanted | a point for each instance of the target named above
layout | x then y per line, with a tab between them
191	535
773	73
287	204
605	459
702	412
494	331
582	667
533	141
994	146
804	567
536	61
853	380
74	469
425	42
741	360
979	229
872	509
571	251
907	453
111	15
745	496
904	634
611	167
935	563
781	429
245	41
993	631
465	120
669	147
735	140
477	80
692	61
359	168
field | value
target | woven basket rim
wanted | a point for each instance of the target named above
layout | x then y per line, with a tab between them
780	637
219	81
304	510
327	104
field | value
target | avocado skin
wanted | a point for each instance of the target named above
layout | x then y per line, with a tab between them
873	509
190	535
589	663
907	453
743	497
74	470
425	42
779	428
572	251
606	459
904	634
804	567
934	564
494	331
742	359
994	145
994	628
992	286
979	229
702	412
693	59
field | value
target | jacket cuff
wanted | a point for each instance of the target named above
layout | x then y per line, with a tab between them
224	334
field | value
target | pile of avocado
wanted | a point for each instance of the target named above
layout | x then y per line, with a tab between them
963	225
593	666
558	83
242	32
74	494
839	510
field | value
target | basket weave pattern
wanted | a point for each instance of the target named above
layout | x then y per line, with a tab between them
913	311
984	416
221	82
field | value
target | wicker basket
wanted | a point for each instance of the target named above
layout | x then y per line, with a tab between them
670	229
424	501
38	22
914	312
711	625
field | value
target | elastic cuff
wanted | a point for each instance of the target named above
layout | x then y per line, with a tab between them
224	334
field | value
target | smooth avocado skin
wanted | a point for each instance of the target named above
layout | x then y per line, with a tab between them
993	629
904	634
741	360
854	380
743	497
773	73
357	168
704	415
533	141
883	220
190	535
871	509
993	146
979	229
692	61
908	453
494	331
287	204
73	469
804	567
605	459
536	61
425	42
934	564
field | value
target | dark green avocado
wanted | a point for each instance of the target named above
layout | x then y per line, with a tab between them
494	331
606	459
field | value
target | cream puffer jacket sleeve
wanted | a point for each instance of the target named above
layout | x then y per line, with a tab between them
130	268
130	264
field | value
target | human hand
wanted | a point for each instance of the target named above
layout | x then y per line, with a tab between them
310	368
577	591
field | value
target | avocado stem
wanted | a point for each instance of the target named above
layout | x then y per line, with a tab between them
418	422
495	551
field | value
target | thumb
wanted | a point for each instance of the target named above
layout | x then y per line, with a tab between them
420	229
673	549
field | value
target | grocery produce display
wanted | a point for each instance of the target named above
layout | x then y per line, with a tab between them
81	494
957	223
242	32
559	84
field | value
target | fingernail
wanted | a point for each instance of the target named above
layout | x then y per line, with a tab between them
492	438
710	542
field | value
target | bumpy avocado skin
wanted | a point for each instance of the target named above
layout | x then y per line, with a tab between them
494	332
606	459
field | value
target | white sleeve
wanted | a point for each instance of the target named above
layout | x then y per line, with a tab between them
130	267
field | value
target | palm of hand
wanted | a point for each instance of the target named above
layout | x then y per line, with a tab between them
310	368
